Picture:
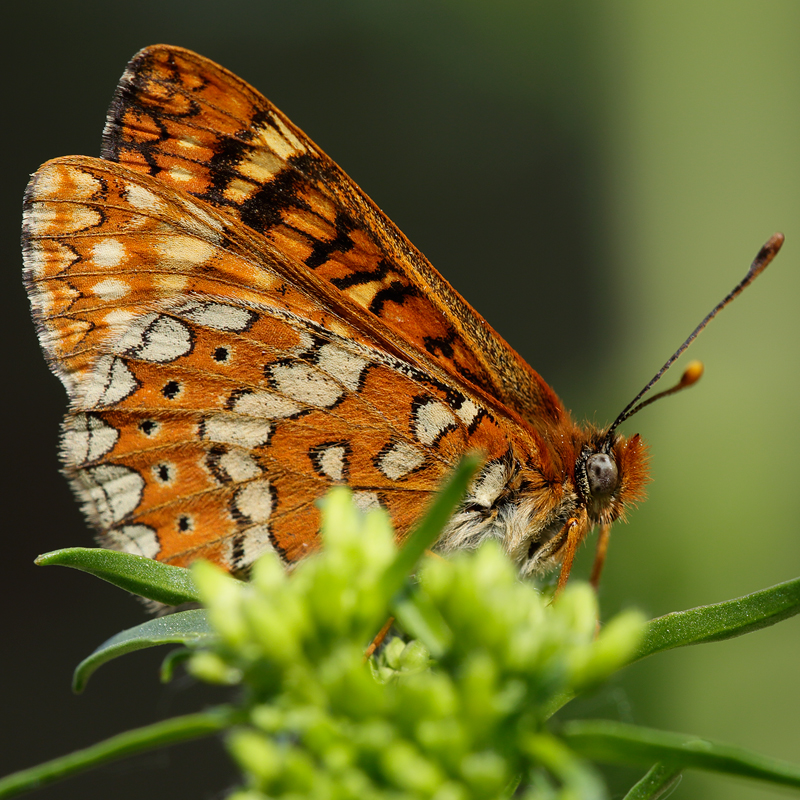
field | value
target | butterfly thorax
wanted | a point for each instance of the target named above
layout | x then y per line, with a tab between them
528	498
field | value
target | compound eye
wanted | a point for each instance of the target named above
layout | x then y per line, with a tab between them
601	472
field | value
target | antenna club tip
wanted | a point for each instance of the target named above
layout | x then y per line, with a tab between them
692	373
766	254
771	247
776	241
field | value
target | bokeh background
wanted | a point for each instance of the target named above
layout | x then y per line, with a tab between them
593	177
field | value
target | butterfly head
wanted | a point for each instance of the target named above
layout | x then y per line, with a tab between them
609	475
607	479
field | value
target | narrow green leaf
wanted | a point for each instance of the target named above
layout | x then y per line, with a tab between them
419	618
430	527
618	743
658	782
713	623
181	628
142	576
578	778
160	734
171	660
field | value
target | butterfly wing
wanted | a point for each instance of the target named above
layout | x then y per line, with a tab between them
213	396
200	129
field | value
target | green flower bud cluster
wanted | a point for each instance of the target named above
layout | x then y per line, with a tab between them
322	722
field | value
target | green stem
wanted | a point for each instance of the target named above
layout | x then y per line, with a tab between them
169	731
659	780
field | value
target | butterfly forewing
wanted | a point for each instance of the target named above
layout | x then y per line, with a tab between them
202	130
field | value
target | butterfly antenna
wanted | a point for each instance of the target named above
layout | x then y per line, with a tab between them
695	368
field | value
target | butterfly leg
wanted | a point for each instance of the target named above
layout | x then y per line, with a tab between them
600	555
378	640
574	531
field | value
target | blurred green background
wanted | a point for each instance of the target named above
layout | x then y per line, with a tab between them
593	177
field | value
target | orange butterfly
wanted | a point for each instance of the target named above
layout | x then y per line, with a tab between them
239	327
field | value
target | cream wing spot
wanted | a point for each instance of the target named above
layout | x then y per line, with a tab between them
48	182
47	258
108	253
180	249
254	501
260	165
331	460
180	174
61	219
111	289
86	437
332	463
296	143
366	501
304	384
346	367
237	430
109	492
156	338
119	317
188	143
279	139
144	200
219	316
489	485
364	293
266	405
239	466
431	419
108	383
399	459
238	190
84	185
139	540
169	285
467	412
248	546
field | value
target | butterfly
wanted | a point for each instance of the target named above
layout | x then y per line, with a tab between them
239	327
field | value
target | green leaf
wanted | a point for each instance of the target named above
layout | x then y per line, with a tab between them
618	743
578	778
142	576
420	618
169	731
713	623
431	526
658	782
171	660
185	627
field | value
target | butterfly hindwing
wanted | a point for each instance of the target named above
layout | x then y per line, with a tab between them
210	412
